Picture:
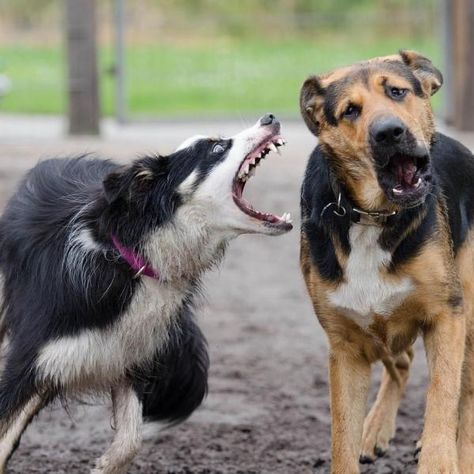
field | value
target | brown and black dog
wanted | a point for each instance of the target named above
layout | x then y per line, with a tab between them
387	253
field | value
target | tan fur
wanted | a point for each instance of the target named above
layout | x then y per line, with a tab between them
465	263
348	141
379	425
433	309
353	350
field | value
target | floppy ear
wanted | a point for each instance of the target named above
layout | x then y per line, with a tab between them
115	184
311	101
430	77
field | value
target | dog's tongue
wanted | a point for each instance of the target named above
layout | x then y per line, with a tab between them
405	171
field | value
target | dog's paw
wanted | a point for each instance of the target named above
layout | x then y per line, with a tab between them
379	430
418	447
98	470
104	465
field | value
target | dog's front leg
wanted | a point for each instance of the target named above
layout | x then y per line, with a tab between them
349	377
444	344
128	425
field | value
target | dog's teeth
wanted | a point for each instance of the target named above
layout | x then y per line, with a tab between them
280	142
272	147
397	191
252	172
417	185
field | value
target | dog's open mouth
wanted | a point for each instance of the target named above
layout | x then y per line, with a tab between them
409	175
246	171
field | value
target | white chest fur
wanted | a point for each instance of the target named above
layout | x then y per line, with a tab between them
364	292
97	356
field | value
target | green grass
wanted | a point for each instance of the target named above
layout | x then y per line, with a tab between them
227	77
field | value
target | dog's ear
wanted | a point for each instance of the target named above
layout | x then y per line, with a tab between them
115	185
129	180
430	77
311	102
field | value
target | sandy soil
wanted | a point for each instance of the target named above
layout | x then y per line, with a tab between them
267	410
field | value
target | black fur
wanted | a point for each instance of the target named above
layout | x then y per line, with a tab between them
453	168
42	301
454	165
176	383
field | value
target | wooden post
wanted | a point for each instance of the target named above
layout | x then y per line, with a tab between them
120	94
446	26
83	92
461	91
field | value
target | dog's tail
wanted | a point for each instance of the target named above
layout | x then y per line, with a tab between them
176	384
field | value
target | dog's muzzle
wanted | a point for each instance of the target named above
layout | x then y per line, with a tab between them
402	162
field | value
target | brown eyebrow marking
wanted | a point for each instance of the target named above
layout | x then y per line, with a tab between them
337	88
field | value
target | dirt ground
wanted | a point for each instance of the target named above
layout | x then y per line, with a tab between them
267	409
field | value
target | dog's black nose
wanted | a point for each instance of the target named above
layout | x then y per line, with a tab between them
387	131
268	119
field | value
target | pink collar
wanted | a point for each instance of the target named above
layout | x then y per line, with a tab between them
137	263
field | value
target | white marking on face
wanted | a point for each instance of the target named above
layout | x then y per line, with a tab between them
190	141
215	192
186	187
364	292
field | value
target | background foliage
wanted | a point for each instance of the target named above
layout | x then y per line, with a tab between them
208	57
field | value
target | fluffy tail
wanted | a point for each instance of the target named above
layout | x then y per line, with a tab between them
176	383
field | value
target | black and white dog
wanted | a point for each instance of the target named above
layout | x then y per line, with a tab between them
100	265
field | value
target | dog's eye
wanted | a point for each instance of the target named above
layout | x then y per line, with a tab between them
218	148
397	92
352	112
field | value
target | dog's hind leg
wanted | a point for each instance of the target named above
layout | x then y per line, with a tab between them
16	426
379	425
20	400
128	425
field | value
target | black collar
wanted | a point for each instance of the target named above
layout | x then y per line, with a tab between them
343	206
